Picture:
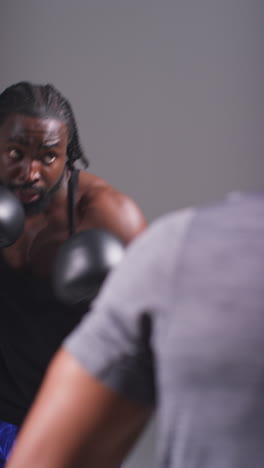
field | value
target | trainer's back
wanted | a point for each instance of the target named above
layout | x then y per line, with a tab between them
210	342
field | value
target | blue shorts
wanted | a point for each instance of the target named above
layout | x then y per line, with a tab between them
8	434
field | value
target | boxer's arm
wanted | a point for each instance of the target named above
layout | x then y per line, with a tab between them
112	210
119	214
76	421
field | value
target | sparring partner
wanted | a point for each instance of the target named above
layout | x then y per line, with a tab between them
178	326
39	149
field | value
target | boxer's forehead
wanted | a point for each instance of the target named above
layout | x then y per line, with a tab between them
23	129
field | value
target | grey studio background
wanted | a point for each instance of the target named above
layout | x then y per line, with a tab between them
168	95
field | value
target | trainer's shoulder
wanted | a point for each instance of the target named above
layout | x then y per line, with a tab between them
233	205
172	227
109	208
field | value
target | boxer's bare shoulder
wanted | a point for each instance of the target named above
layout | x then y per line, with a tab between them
103	206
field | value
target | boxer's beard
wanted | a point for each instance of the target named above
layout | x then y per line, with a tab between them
45	196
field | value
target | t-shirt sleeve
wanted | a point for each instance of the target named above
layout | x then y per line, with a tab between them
115	342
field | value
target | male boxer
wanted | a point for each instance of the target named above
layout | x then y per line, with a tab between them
39	147
179	326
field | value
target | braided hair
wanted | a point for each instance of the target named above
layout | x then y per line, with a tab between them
43	101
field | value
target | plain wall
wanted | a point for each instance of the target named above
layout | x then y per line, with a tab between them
168	94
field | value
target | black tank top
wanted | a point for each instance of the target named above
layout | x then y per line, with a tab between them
32	326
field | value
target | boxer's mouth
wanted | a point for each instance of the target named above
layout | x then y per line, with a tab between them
27	195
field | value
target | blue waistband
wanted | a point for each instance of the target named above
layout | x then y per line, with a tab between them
8	434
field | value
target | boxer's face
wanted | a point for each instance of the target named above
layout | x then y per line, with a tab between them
32	158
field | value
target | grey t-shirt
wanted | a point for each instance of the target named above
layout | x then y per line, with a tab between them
181	323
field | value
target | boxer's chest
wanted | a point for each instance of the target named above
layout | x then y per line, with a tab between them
37	248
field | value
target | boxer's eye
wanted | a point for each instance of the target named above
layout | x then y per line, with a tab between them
49	158
15	154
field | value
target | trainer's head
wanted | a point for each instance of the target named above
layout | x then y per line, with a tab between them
38	140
